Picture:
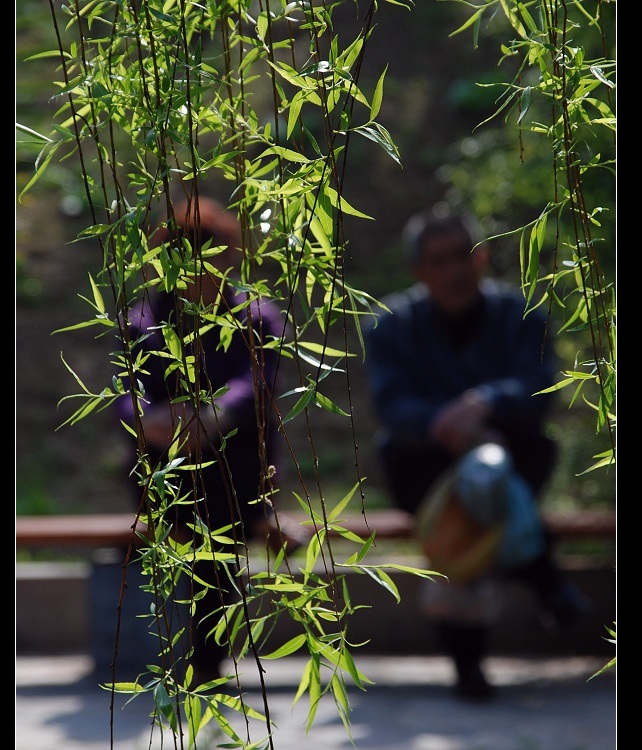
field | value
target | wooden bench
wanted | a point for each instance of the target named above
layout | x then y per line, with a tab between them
85	602
116	529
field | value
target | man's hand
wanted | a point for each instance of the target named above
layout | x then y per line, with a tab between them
462	423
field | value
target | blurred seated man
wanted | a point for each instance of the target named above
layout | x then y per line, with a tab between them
453	366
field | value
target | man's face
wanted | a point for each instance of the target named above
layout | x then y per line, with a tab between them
451	271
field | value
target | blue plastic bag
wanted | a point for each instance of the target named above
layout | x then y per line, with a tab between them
494	493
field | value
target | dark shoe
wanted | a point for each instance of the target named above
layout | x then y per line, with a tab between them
473	686
567	604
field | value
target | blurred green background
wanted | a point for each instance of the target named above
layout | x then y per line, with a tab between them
432	107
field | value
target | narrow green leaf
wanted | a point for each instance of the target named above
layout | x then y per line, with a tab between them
42	166
97	321
382	578
377	97
342	204
96	230
599	74
377	133
524	102
287	649
320	236
314	691
286	153
350	667
29	131
300	405
341	505
313	551
304	681
294	111
321	349
173	342
163	704
325	403
124	687
469	22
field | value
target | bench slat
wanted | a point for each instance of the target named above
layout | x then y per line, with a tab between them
391	524
116	529
91	530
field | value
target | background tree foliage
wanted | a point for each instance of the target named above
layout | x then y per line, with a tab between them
433	106
288	111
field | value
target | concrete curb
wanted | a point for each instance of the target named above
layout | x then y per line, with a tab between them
72	608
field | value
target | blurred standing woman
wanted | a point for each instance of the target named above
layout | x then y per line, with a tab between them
230	435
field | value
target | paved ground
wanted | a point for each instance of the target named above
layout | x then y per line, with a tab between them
543	704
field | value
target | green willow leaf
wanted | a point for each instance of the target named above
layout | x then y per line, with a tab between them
377	97
287	649
325	403
163	703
